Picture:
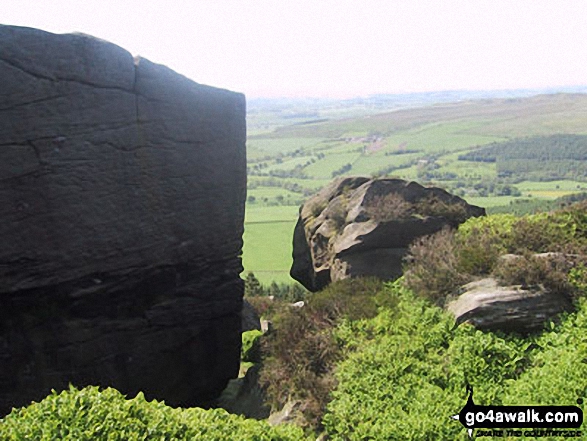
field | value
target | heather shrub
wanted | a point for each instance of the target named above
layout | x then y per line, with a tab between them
265	306
434	206
538	233
300	355
529	270
393	206
433	269
268	301
388	207
439	264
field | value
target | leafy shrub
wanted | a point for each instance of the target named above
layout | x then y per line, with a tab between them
93	414
558	374
407	369
250	349
578	279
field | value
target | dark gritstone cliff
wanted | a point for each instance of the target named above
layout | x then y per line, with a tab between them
358	226
122	188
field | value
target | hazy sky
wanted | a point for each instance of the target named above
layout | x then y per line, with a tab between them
336	48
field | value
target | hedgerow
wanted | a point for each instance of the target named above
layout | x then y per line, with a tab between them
94	414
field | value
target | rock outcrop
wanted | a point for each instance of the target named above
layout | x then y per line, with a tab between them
250	320
122	189
523	310
358	226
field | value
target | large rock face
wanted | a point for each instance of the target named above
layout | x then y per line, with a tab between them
122	188
362	227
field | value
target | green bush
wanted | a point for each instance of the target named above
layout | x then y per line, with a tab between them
480	242
251	348
559	366
93	414
405	371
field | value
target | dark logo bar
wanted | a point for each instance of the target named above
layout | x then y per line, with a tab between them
473	416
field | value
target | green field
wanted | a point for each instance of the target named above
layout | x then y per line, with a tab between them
271	192
268	242
487	202
282	145
260	214
267	250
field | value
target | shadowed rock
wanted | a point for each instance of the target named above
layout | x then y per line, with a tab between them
358	226
122	188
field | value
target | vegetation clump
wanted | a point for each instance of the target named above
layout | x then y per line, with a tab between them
389	207
300	355
92	414
547	247
393	206
405	371
268	301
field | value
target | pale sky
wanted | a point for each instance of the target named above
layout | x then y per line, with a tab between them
336	48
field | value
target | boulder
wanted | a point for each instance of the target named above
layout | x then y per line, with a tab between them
122	190
245	396
249	318
523	310
358	226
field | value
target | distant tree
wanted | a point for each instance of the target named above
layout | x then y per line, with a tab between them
253	287
274	290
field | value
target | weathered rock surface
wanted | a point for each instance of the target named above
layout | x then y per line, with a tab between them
244	396
122	188
363	227
488	306
250	320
